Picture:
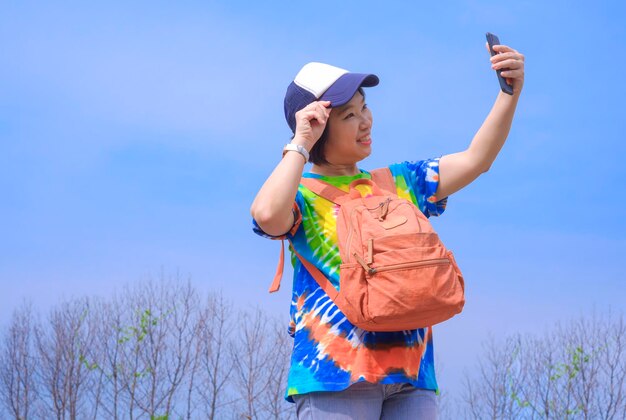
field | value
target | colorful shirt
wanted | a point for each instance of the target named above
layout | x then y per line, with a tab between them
330	353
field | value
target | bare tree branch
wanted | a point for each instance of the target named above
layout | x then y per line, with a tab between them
18	390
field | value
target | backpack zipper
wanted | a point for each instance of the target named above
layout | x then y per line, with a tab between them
436	261
374	270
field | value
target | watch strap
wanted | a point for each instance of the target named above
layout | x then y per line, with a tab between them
290	147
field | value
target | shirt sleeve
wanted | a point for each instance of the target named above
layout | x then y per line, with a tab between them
422	179
297	219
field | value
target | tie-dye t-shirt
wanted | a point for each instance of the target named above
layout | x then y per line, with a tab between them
329	353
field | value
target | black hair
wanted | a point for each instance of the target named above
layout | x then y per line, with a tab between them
317	155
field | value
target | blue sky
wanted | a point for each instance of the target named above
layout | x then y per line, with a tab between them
134	137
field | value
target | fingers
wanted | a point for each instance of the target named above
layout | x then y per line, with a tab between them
505	53
314	115
321	106
317	110
508	55
503	56
512	74
509	61
510	64
325	107
321	111
502	48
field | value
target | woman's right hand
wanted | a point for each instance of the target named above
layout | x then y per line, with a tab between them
273	204
310	123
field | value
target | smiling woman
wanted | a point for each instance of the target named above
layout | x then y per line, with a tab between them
349	135
339	369
318	156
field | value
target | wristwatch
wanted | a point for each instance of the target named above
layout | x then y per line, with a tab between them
290	147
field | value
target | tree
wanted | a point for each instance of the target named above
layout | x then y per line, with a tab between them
493	391
254	362
61	348
155	351
158	351
215	364
273	400
578	370
17	365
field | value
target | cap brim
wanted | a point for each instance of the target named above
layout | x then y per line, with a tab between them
345	87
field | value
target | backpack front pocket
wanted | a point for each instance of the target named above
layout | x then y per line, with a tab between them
352	299
417	293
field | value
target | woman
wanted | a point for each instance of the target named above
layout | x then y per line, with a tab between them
339	371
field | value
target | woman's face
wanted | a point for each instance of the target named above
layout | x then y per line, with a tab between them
349	132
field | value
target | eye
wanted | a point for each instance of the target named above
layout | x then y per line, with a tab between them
352	115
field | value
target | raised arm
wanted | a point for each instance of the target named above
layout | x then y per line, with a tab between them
458	170
273	203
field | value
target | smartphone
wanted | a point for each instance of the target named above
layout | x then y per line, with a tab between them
493	40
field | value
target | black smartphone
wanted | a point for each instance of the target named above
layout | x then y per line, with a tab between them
493	40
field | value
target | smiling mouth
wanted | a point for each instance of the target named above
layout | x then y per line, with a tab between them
365	140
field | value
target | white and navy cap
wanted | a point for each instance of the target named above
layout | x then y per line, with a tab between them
323	82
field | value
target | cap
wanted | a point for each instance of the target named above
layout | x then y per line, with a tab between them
323	82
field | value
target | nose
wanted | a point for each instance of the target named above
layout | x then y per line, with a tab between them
366	121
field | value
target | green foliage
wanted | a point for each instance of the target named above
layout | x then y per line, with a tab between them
572	367
568	370
136	334
139	333
518	400
90	366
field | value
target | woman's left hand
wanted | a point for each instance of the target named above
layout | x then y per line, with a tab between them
511	62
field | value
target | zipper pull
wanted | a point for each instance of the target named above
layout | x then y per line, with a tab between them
366	267
384	209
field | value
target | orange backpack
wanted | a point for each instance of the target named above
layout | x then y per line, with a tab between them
395	272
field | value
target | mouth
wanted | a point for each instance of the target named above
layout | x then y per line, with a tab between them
365	140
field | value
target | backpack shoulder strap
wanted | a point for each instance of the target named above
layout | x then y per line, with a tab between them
333	194
383	178
279	269
324	189
320	278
